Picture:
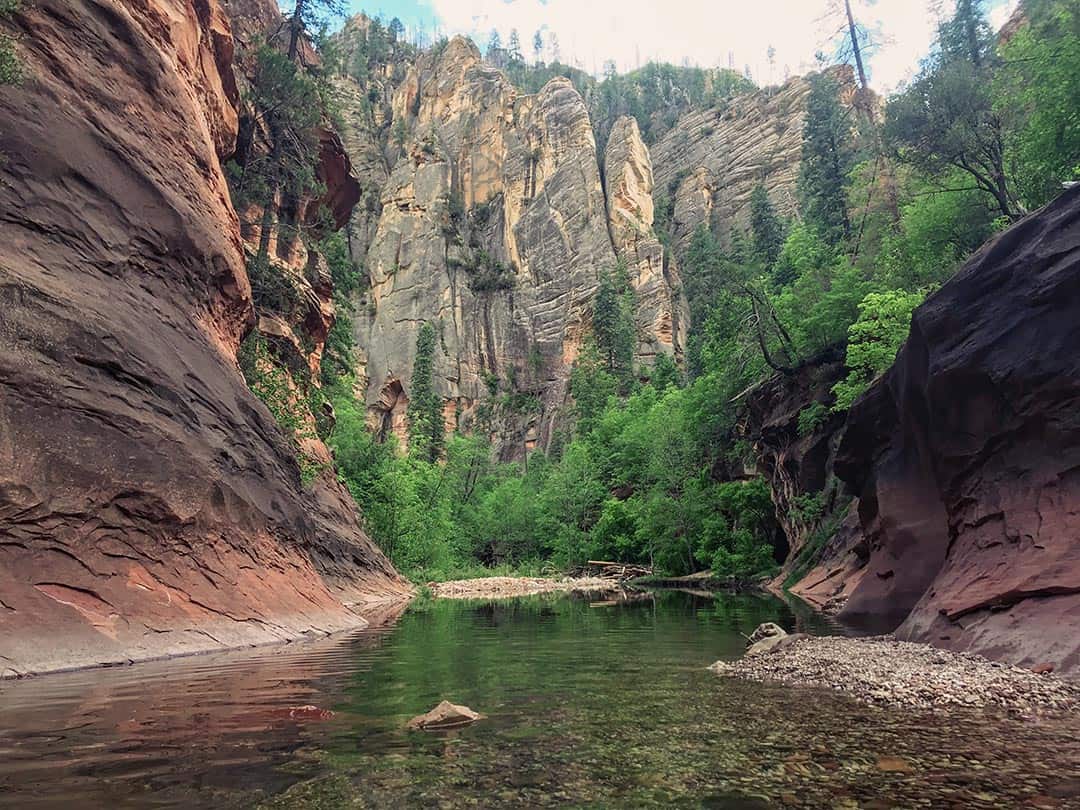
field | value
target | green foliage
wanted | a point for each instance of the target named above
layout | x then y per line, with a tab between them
272	288
946	119
271	382
937	229
591	385
486	274
339	351
1036	89
766	228
10	67
827	158
665	373
426	426
613	325
812	417
874	339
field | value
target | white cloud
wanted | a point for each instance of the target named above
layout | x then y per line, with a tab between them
704	32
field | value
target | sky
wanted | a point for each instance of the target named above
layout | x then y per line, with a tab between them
707	33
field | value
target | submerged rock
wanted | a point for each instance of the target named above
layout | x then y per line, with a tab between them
444	716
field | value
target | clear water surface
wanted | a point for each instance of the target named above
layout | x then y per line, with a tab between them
589	702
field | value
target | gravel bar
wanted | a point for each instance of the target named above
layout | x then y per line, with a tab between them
884	671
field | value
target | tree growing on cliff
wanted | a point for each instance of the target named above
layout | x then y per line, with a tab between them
946	119
613	324
873	340
10	70
766	228
426	427
827	157
285	99
291	105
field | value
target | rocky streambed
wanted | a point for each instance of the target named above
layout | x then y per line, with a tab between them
884	671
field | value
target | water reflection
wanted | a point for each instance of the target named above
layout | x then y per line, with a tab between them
590	700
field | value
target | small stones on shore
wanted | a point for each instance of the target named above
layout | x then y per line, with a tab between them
887	672
504	587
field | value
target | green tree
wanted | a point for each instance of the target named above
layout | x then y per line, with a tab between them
425	416
10	69
514	46
946	118
538	47
591	385
613	324
766	228
827	158
873	341
396	29
1035	89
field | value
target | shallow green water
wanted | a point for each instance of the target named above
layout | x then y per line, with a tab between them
589	703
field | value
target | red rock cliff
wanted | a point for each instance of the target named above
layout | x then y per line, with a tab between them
148	503
966	456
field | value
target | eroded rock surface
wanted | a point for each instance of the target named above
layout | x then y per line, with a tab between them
662	313
494	223
148	503
709	164
966	456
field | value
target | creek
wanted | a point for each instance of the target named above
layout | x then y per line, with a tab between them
589	701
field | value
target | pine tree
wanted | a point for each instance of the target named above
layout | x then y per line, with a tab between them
396	29
538	47
515	45
766	228
827	157
613	324
426	427
279	81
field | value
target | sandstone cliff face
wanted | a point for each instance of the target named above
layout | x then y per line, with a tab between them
148	503
662	314
797	463
965	456
709	164
495	226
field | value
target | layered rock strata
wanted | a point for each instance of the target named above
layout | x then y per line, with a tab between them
707	167
494	226
148	503
965	456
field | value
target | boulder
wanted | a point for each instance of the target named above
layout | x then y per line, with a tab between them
446	715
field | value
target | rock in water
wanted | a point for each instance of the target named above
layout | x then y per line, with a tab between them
766	637
444	716
765	630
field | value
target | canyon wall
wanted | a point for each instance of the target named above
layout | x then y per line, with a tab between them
496	224
966	456
708	165
964	460
149	504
